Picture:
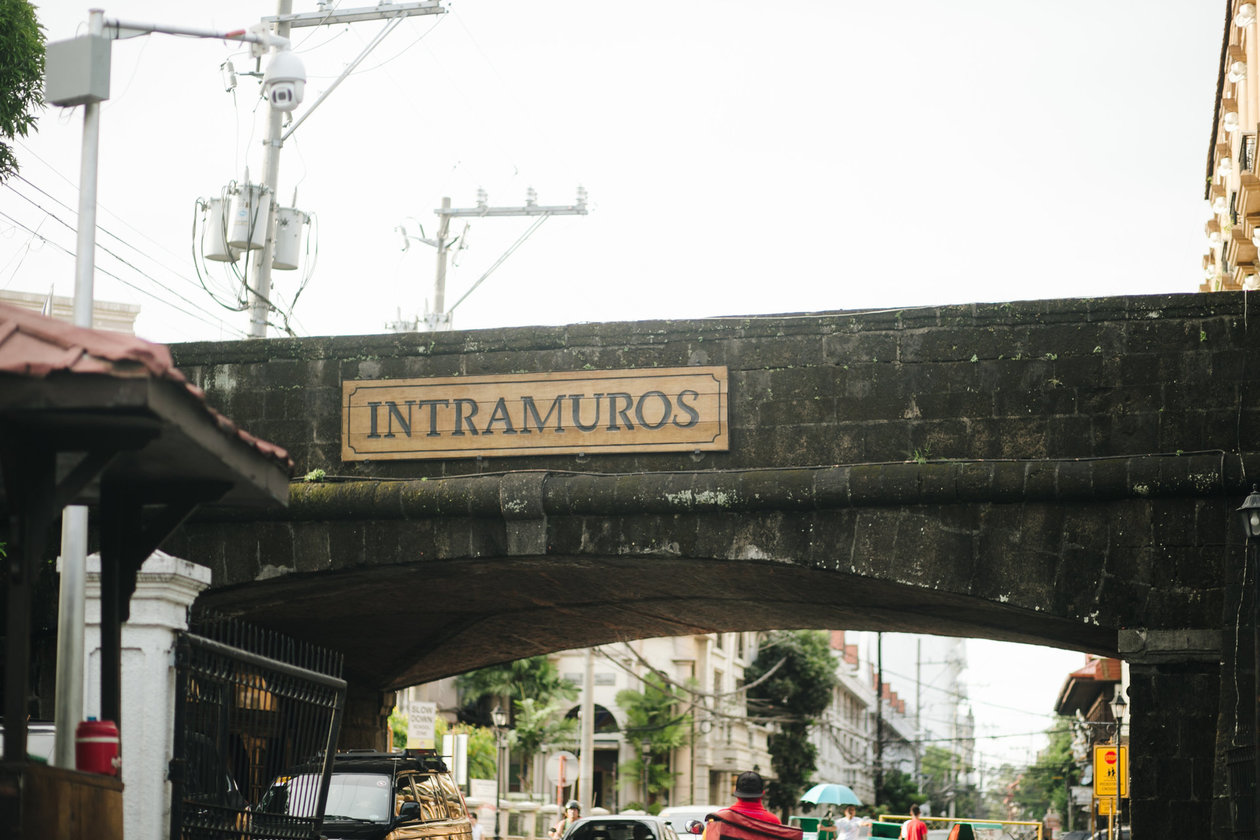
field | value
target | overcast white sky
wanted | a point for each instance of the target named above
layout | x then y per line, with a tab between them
740	157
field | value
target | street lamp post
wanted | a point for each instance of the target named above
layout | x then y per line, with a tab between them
500	720
1118	706
1249	516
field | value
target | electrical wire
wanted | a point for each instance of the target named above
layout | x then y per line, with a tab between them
25	251
100	207
198	260
175	272
404	50
116	256
317	28
200	314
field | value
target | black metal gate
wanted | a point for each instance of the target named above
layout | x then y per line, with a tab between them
249	704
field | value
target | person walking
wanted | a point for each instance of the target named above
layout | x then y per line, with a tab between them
747	819
477	831
849	827
914	828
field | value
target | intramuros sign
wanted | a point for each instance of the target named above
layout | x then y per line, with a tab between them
657	410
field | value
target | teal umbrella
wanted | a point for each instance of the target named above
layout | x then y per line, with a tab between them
831	794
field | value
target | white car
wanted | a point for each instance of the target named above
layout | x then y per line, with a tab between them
680	815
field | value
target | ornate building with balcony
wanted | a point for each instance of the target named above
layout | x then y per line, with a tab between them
1233	182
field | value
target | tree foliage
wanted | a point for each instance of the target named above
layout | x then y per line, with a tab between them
1045	784
21	77
654	716
900	792
798	689
480	742
534	678
536	725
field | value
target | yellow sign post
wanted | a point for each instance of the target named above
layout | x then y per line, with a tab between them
1111	770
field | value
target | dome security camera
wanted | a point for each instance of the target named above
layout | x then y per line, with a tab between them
284	80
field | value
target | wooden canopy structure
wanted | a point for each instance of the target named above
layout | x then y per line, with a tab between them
106	420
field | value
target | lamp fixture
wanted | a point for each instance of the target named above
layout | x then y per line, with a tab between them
1219	205
1225	166
499	717
1118	704
1231	121
1249	514
1251	281
1246	15
1213	231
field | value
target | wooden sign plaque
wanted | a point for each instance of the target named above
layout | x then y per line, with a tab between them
599	411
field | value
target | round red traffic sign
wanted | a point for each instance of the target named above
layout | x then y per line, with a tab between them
1110	756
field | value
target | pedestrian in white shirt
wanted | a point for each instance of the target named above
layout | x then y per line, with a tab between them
849	826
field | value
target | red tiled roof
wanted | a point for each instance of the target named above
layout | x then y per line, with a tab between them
1099	668
34	346
1084	686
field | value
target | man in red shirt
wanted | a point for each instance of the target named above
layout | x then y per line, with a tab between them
747	819
915	828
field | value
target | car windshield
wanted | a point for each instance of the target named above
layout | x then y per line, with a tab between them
353	796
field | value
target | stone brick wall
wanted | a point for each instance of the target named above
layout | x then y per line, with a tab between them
1049	379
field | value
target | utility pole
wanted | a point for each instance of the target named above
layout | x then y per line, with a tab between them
439	319
72	597
586	764
283	23
918	709
271	178
879	719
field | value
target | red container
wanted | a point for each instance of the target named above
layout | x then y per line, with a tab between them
96	747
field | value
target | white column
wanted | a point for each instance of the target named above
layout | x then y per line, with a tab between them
165	588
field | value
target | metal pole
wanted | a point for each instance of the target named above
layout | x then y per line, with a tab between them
271	180
879	719
586	766
647	758
498	779
68	702
918	708
1253	564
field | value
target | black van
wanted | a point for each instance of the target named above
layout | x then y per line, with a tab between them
373	796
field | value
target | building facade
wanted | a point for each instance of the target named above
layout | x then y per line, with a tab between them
1233	180
845	736
709	671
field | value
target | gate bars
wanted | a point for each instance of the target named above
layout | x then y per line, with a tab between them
249	704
